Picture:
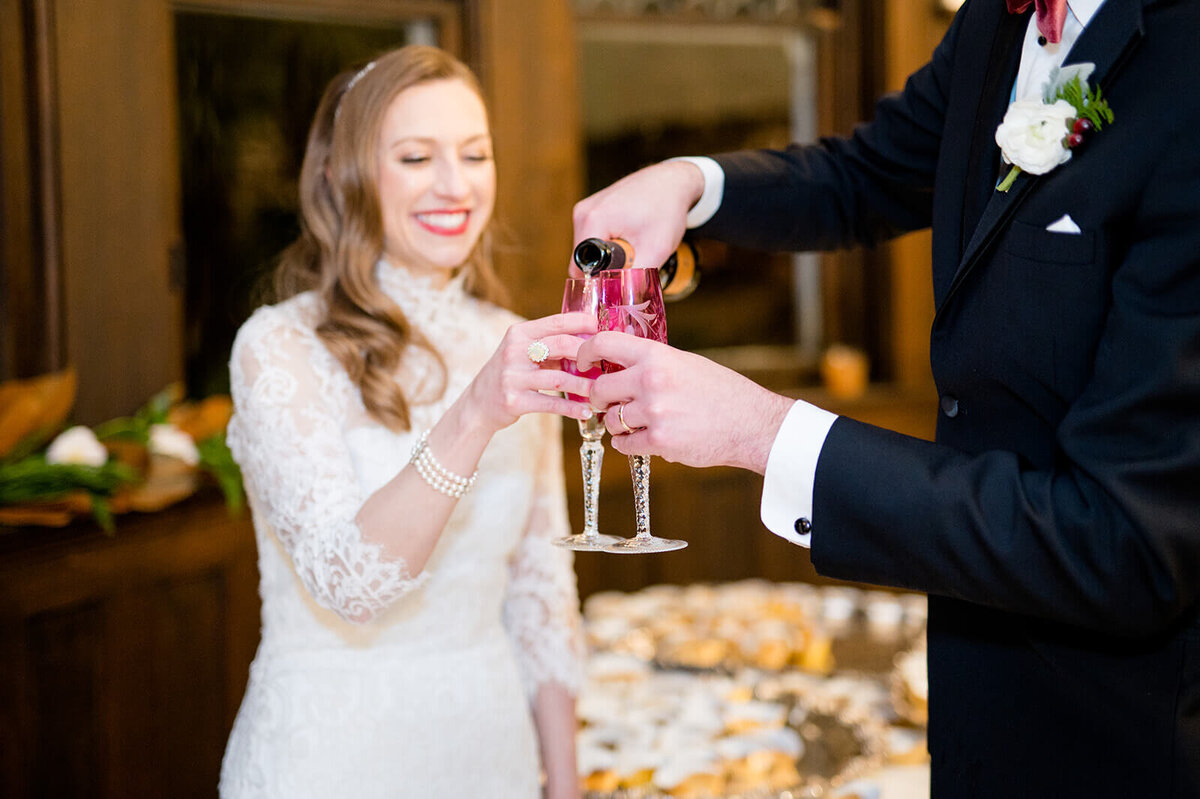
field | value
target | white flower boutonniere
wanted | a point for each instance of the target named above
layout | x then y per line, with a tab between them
1035	137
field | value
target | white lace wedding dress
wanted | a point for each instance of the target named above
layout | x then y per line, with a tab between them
368	681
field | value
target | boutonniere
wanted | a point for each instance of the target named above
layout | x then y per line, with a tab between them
1038	135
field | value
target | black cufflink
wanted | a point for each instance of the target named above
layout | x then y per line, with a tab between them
803	526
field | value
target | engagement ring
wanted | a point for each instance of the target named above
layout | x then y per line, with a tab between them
537	351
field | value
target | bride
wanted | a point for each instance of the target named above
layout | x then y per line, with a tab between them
420	633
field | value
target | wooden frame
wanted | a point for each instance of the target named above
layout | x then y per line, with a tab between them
446	13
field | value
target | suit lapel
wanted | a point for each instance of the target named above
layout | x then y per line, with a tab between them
983	159
1107	42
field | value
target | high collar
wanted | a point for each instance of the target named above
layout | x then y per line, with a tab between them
416	294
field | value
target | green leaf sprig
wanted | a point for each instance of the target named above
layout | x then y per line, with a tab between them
33	478
217	460
1087	102
137	427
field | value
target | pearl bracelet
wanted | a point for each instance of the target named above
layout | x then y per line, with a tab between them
438	477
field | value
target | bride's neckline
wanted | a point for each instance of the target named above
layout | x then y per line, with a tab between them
412	292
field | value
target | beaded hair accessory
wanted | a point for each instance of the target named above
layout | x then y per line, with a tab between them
362	73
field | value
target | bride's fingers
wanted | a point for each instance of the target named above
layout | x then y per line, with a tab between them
557	380
571	323
615	347
545	352
541	402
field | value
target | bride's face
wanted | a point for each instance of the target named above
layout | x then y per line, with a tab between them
437	180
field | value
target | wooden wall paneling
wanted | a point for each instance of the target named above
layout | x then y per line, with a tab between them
877	297
840	57
120	201
525	53
912	29
32	334
16	245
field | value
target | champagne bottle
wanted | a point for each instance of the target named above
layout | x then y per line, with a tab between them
678	276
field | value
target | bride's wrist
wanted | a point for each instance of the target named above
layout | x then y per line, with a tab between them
470	417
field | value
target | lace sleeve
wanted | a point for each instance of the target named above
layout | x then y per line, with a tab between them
541	610
286	437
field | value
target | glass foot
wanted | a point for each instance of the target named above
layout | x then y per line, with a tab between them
583	542
635	545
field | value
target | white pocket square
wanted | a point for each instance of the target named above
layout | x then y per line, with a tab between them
1064	224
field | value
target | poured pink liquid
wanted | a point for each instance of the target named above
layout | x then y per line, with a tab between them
580	295
591	374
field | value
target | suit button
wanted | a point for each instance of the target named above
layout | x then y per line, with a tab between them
803	526
949	405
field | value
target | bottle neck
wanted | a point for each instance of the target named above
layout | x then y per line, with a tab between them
595	255
678	276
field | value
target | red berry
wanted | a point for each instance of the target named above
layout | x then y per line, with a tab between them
1082	125
1074	140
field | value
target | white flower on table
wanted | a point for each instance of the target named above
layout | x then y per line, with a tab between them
167	439
1032	135
78	446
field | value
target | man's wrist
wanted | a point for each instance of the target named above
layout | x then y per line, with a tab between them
769	416
713	190
787	498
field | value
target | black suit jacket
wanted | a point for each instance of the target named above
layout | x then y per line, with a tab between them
1056	521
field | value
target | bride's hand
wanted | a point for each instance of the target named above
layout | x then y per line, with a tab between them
513	380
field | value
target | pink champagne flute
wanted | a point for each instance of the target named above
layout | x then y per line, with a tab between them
631	301
582	294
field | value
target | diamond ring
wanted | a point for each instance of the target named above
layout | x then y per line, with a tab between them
537	351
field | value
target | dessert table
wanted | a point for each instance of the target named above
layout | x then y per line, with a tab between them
754	690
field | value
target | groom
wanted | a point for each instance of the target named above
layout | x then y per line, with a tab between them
1055	523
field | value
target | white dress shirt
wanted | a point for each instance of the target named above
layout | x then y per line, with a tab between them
787	497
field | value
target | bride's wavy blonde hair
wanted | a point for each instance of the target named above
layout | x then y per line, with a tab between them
341	229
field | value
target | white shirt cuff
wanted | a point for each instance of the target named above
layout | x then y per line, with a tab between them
714	190
792	470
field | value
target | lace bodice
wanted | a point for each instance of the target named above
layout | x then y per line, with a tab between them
310	456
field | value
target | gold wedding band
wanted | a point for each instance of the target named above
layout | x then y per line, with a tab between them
537	351
621	419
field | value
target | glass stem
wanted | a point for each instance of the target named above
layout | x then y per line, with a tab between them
639	470
591	457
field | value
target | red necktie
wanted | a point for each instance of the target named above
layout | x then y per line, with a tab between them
1051	14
